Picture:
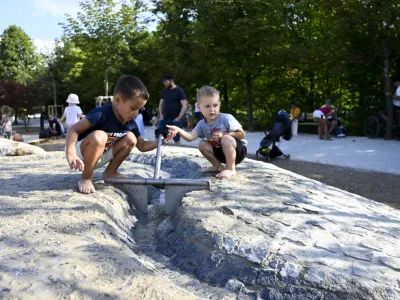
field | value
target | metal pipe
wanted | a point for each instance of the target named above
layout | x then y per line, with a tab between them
160	182
158	157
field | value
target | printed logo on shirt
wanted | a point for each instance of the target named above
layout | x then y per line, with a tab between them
112	138
213	143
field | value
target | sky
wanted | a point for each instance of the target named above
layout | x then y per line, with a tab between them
38	18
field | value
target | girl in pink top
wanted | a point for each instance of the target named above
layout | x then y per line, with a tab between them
320	116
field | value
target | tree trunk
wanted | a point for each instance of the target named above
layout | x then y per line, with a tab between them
388	90
312	86
225	94
41	110
55	96
106	82
249	86
16	116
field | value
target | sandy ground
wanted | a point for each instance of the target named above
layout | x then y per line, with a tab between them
378	186
56	243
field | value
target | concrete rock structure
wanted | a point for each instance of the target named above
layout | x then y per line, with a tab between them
272	234
265	234
11	148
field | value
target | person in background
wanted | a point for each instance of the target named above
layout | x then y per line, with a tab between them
321	117
140	123
72	113
188	115
6	121
197	112
332	122
295	114
156	117
173	106
55	126
396	96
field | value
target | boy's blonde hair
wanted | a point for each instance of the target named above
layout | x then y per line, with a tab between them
207	91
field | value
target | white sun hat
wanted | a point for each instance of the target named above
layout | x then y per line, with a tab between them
73	99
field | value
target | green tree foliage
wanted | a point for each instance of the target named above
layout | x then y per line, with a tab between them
18	57
102	31
65	74
260	54
371	33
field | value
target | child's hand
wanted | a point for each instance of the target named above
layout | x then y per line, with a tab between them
217	136
75	163
172	132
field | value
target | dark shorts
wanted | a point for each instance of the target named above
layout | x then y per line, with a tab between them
241	152
162	125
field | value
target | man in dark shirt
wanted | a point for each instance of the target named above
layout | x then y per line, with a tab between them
173	106
55	126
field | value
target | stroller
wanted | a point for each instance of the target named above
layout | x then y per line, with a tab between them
280	129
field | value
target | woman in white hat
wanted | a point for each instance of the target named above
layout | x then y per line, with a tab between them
72	113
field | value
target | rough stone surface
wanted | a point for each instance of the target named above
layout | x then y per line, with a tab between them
11	148
272	234
265	234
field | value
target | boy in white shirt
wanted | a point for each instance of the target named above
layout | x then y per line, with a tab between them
72	113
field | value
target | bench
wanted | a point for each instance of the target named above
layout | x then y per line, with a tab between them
308	119
308	125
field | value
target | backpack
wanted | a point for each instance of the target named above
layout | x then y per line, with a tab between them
45	133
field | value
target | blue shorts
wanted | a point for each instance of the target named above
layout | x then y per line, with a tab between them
162	125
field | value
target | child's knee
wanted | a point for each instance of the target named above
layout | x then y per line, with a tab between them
98	137
204	146
131	139
227	140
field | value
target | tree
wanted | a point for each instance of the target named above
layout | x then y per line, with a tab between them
373	38
102	31
20	97
18	57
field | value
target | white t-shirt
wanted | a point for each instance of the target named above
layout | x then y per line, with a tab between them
72	113
395	101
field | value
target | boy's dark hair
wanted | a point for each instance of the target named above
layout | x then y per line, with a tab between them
130	86
293	103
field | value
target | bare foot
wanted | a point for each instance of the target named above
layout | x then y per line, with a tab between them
86	186
213	169
108	174
226	174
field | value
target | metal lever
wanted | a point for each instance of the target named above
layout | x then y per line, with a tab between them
158	157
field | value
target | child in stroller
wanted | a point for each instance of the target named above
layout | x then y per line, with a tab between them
281	128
